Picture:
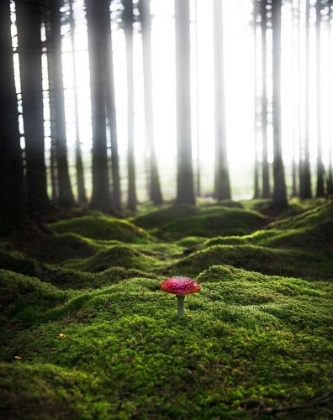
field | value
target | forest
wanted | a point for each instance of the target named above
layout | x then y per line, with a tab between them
150	150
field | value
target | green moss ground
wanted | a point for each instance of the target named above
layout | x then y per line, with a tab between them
95	338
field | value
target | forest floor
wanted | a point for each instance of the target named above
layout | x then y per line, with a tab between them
86	332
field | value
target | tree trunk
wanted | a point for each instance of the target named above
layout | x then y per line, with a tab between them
13	200
81	190
294	101
128	18
28	19
255	129
306	172
266	191
65	198
222	183
101	199
185	187
155	189
330	52
111	107
279	192
320	167
198	164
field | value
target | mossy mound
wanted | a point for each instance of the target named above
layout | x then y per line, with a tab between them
73	279
179	221
19	263
45	392
191	241
102	227
27	296
157	218
115	256
248	344
290	263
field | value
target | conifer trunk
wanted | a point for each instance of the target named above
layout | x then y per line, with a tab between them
279	192
185	184
222	183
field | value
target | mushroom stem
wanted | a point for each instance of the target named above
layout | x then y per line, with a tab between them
180	305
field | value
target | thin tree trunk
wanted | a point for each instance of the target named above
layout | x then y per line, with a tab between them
320	167
294	123
222	183
13	200
66	198
306	193
266	191
101	199
28	19
111	108
330	52
198	165
279	192
185	184
81	190
53	128
128	21
255	129
299	88
155	189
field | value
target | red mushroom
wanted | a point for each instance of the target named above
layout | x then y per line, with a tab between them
180	286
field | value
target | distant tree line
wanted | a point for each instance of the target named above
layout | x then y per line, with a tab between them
23	171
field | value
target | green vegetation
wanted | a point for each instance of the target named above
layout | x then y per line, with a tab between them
93	337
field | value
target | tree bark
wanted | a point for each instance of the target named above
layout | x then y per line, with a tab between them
306	172
81	190
255	129
185	185
266	190
155	188
111	107
222	183
12	193
279	192
28	19
101	199
320	167
66	198
128	18
330	52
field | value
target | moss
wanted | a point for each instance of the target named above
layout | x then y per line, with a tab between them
214	221
191	241
288	263
101	227
115	256
247	341
19	263
73	279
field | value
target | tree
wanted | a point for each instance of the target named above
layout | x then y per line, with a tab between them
66	198
255	129
222	183
330	169
128	19
81	190
185	187
12	193
320	167
145	18
28	19
266	192
279	192
101	199
111	106
305	191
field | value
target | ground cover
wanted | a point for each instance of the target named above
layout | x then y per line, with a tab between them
93	337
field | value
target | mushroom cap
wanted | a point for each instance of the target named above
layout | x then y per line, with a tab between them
179	285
